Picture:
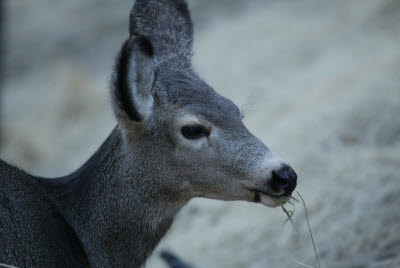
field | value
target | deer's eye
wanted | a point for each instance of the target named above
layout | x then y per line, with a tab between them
194	132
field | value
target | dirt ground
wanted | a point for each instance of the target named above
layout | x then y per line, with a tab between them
319	81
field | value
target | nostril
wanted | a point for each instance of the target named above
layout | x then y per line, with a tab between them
285	178
282	174
279	181
278	178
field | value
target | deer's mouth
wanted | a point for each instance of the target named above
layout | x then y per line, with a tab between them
266	198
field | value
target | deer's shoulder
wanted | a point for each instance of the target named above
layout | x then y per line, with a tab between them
37	234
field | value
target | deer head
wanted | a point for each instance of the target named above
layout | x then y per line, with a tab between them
195	135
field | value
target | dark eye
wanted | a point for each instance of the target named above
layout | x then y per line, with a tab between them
194	132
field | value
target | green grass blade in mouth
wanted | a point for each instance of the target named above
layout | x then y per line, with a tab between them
282	200
309	229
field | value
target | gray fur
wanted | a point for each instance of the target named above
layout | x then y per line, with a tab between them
114	210
168	25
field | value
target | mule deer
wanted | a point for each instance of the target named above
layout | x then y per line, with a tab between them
176	139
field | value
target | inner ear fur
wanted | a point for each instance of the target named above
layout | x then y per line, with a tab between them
133	81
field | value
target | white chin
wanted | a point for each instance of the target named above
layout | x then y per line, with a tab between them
268	201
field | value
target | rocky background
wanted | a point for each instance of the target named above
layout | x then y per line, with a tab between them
319	79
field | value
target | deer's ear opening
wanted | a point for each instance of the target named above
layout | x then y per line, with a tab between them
133	81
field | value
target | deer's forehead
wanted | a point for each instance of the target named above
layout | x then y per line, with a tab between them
215	108
204	103
197	98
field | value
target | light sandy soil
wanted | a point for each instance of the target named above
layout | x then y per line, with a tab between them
320	81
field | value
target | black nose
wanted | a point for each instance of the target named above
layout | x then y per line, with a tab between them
285	178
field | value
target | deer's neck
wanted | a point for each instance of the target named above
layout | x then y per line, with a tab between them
117	203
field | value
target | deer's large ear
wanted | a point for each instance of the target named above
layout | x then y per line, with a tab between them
133	81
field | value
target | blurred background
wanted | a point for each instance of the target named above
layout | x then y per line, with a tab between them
319	81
